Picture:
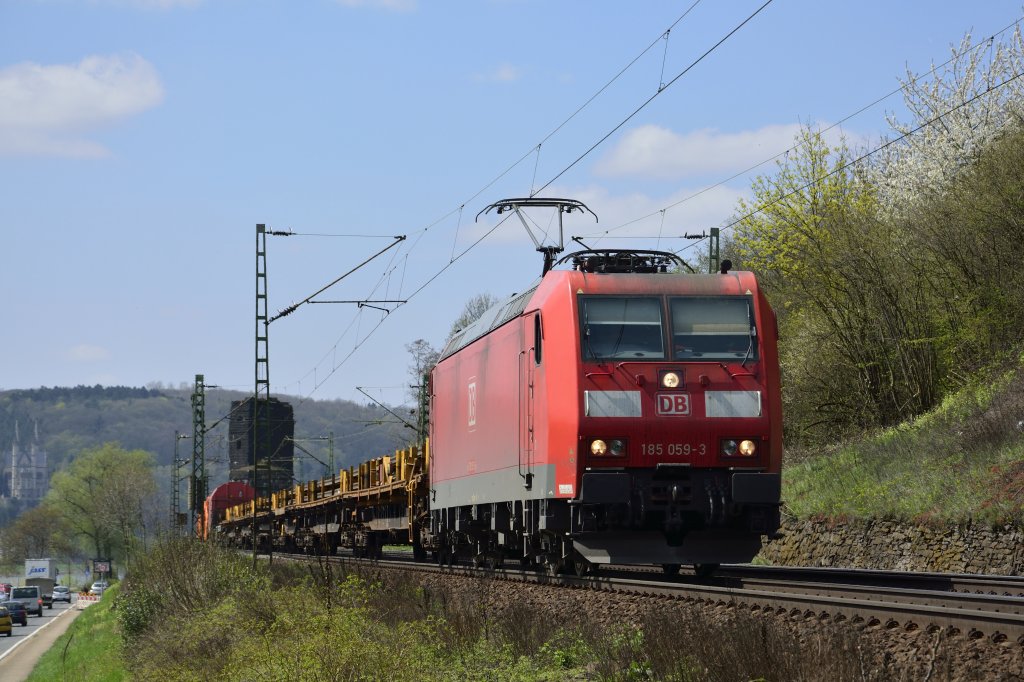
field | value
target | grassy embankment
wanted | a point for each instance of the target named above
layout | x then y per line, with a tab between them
191	611
963	461
89	650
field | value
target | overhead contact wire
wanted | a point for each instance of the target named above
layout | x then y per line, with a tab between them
858	112
655	95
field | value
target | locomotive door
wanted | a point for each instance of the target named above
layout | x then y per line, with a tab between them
528	360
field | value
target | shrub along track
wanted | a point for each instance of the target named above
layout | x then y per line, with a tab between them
926	626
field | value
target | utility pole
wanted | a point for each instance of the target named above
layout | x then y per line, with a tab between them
714	256
197	481
176	484
261	427
261	393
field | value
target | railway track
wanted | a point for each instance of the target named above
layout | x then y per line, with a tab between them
970	605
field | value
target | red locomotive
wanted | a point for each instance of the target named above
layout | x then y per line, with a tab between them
619	411
223	497
615	413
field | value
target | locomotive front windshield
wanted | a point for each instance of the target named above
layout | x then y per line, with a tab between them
713	328
622	328
700	328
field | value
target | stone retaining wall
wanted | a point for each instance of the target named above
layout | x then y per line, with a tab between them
891	545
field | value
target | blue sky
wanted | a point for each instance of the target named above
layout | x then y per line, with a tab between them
141	141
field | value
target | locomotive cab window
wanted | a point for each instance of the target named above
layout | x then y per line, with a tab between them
538	338
713	328
621	328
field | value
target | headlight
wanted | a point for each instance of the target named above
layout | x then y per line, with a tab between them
670	380
744	448
613	448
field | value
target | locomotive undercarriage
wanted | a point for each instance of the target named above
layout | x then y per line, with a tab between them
668	516
674	515
529	532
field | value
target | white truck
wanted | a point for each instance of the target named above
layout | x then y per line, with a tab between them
42	573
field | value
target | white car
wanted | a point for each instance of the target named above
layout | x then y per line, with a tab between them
98	587
62	593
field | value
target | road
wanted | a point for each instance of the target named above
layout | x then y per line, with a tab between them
20	652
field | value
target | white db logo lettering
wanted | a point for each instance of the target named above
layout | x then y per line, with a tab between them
674	403
472	404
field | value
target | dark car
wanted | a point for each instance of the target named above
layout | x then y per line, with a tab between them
19	614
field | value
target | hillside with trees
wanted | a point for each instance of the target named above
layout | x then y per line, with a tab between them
74	420
895	273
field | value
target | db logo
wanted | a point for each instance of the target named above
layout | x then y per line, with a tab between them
676	404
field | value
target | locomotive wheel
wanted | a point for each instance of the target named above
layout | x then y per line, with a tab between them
582	567
705	570
670	569
553	567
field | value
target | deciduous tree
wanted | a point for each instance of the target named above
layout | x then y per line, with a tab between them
106	496
38	532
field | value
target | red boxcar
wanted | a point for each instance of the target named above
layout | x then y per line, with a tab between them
614	413
223	496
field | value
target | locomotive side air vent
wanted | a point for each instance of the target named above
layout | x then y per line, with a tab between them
608	261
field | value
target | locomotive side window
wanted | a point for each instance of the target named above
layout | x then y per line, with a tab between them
713	328
615	327
538	337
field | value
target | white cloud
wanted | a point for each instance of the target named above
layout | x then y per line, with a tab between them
390	5
44	109
87	353
652	151
504	73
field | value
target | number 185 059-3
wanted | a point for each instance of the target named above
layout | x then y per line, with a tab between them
672	449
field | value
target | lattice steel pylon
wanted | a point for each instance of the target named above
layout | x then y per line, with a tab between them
175	488
197	481
261	392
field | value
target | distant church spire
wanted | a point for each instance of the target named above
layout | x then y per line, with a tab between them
29	473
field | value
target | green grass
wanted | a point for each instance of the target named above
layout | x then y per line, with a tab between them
963	461
89	650
327	622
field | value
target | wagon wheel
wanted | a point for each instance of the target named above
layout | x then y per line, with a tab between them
670	569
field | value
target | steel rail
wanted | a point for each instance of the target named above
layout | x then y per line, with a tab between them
997	617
